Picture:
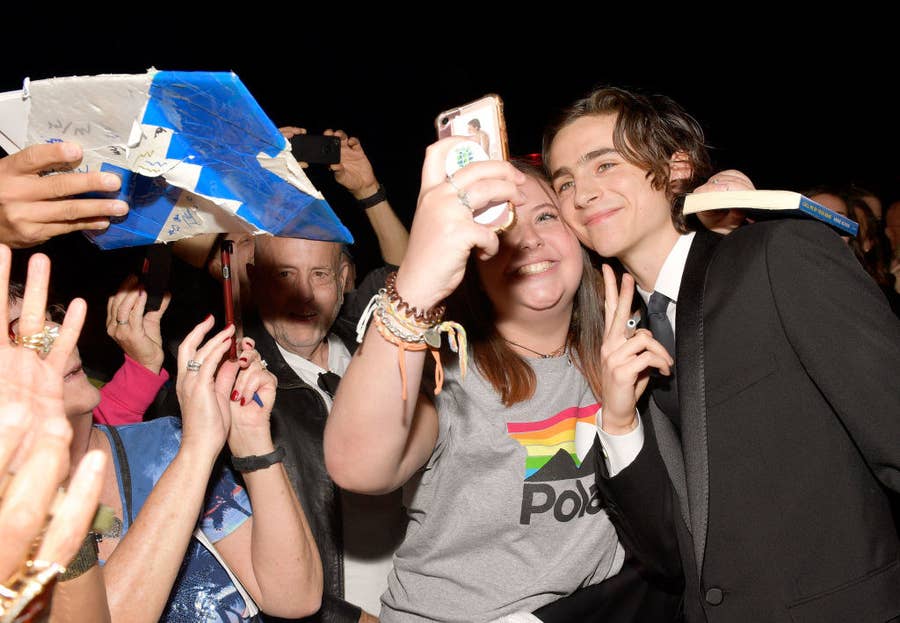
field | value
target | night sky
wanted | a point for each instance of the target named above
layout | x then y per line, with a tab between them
791	111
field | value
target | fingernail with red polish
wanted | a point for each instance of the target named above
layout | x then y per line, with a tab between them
234	395
243	401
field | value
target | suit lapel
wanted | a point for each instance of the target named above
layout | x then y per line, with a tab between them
668	440
669	445
692	386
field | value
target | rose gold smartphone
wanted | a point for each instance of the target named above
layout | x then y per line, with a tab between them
483	123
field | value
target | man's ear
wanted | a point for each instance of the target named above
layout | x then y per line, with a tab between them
342	281
680	167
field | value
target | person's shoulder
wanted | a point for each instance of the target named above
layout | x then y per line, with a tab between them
356	301
374	280
784	228
780	235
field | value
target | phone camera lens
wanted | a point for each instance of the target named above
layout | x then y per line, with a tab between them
445	120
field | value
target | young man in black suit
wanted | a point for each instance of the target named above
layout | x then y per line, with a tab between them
762	460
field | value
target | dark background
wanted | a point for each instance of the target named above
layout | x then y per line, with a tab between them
790	105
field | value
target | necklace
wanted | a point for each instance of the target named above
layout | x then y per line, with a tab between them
556	353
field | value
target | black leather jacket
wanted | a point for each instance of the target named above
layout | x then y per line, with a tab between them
298	423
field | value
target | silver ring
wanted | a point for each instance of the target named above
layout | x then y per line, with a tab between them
193	365
461	193
463	197
121	321
453	184
263	363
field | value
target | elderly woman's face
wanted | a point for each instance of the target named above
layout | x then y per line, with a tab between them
79	395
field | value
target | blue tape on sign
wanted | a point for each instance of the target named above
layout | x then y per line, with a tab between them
307	219
217	125
150	200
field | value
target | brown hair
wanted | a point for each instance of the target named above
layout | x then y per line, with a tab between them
649	130
868	245
507	372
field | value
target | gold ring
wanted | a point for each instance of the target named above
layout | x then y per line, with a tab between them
26	584
40	342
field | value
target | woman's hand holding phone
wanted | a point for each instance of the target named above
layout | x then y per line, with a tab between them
443	230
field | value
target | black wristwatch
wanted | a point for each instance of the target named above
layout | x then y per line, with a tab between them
253	463
372	200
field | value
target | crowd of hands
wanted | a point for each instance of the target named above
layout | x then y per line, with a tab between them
39	519
47	506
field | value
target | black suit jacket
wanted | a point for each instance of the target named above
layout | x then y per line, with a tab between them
771	492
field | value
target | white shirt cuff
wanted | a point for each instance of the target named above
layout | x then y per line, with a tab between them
619	451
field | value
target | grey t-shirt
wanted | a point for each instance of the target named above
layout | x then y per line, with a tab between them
505	516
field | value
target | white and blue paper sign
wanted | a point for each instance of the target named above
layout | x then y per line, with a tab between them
195	151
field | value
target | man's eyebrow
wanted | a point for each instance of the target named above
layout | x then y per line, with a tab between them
559	173
591	155
597	153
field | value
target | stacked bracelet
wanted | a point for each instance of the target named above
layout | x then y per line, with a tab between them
411	330
372	200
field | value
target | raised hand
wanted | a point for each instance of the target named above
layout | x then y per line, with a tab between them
136	333
252	394
354	172
35	435
34	208
206	419
30	377
625	361
444	231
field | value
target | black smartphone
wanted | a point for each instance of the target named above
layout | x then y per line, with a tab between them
316	148
155	274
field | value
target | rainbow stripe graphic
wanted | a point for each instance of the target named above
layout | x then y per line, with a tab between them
544	439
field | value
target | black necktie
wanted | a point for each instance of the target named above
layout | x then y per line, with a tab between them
328	382
658	321
665	388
